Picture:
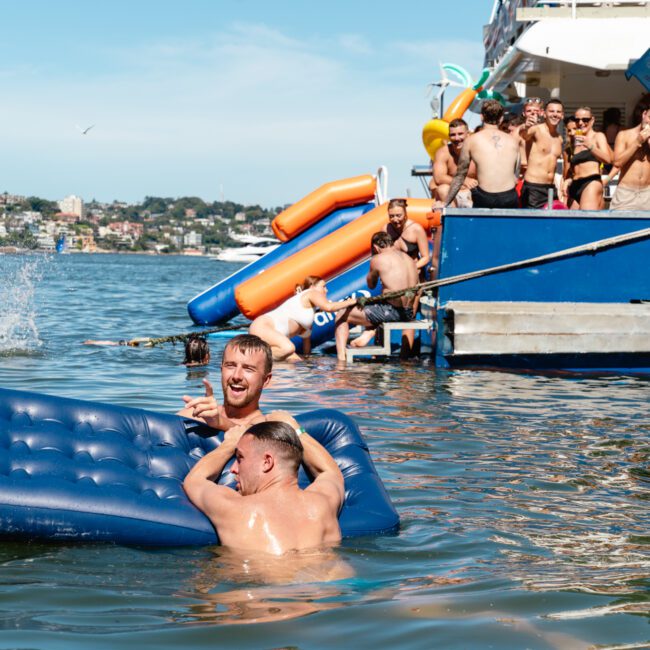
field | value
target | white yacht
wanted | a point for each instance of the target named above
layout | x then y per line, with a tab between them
577	50
254	247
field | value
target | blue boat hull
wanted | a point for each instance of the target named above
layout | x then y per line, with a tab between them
481	239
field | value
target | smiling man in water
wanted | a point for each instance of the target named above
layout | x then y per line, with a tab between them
269	512
246	368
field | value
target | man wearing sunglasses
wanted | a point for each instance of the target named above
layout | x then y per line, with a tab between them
632	156
545	149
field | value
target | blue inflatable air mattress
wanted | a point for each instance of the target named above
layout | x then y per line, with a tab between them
85	471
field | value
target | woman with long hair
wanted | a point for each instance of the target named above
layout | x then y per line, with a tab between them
295	316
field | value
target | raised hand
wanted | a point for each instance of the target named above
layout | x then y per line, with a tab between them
205	407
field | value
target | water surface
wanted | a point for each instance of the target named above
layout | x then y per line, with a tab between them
523	499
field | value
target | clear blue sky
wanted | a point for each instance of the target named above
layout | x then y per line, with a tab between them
267	99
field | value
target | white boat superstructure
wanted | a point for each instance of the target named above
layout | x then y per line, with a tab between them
248	253
577	50
255	246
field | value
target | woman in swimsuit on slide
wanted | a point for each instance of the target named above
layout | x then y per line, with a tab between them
584	185
295	316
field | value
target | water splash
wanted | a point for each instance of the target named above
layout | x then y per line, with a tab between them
20	277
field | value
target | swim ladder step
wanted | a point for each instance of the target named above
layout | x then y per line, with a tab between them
385	349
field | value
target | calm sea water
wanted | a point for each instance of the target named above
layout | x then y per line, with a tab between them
524	499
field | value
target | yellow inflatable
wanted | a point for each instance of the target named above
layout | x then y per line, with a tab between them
436	132
434	135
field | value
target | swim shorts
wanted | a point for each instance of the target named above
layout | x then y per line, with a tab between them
483	199
628	198
535	195
387	313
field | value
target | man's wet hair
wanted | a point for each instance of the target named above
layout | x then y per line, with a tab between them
555	101
381	240
197	350
248	343
282	437
458	122
491	111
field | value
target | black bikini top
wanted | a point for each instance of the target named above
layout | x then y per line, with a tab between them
583	156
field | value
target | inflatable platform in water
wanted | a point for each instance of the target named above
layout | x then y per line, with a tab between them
332	255
217	304
89	472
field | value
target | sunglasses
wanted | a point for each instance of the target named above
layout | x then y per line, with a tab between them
583	119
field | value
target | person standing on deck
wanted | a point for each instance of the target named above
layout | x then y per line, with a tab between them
495	154
590	149
545	150
532	112
445	164
632	155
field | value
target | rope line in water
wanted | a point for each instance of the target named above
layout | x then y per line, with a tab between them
591	247
177	338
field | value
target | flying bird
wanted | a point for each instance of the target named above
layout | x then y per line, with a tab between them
84	131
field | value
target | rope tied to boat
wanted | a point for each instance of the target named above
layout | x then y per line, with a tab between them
151	342
589	248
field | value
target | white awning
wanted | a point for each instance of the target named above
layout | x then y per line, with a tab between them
592	42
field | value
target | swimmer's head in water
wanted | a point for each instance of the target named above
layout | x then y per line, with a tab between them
197	351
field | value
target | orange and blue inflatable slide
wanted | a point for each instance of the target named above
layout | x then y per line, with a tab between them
321	202
327	258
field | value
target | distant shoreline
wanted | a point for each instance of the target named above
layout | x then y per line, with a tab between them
13	250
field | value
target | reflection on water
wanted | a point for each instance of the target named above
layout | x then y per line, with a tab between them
234	588
523	499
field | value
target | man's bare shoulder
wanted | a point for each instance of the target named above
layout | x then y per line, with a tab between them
627	134
216	501
442	155
325	495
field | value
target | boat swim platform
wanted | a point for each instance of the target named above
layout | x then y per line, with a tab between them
385	350
471	328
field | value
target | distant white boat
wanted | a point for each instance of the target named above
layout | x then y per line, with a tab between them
248	253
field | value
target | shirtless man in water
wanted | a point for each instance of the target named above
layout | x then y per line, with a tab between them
269	512
632	155
495	154
545	147
397	271
445	164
